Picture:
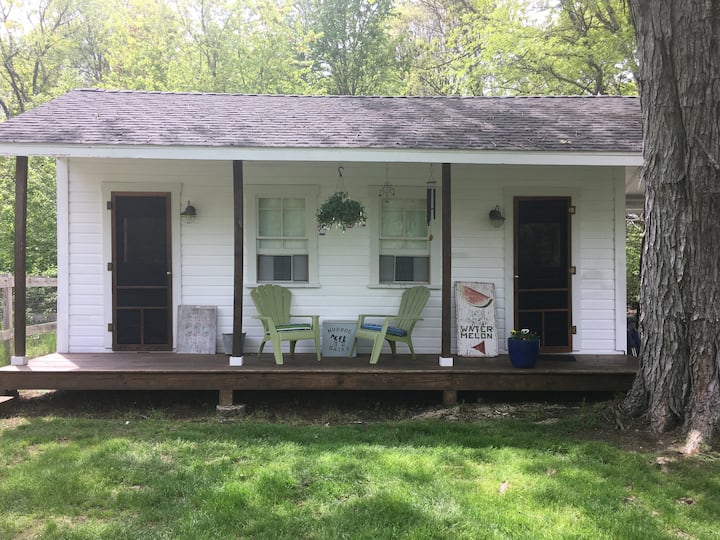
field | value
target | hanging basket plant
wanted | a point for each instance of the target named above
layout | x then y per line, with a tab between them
340	211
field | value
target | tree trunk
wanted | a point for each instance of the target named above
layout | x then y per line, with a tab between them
678	383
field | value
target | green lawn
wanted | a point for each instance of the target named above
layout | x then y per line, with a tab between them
144	473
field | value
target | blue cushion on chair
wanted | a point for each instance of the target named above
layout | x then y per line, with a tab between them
392	330
290	327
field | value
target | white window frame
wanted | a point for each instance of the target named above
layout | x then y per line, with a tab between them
374	224
253	193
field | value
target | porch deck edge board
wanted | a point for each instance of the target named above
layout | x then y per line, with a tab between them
169	371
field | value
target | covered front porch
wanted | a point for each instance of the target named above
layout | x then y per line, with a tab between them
171	371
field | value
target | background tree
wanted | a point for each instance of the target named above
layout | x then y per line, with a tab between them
241	46
41	233
574	47
143	44
441	59
35	42
352	52
679	378
634	230
519	47
35	39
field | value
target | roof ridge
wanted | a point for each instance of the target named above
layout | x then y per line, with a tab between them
345	96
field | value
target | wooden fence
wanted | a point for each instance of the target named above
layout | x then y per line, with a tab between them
6	301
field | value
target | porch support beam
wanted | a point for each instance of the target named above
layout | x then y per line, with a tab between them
446	262
20	268
238	217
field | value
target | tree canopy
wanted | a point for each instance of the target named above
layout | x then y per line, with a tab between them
363	47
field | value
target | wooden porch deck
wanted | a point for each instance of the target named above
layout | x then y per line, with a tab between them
171	371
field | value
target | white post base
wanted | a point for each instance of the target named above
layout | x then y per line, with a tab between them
236	360
18	360
446	361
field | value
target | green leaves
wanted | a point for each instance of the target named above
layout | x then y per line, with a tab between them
352	51
41	223
341	212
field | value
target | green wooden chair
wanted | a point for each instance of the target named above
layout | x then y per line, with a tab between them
393	328
273	306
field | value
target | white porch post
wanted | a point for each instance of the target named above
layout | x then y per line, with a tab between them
446	358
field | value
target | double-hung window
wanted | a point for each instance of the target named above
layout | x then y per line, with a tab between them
404	244
283	245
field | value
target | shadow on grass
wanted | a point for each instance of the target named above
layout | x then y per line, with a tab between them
280	405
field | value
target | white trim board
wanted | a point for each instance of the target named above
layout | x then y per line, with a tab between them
626	159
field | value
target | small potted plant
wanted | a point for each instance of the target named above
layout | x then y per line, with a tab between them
523	348
340	211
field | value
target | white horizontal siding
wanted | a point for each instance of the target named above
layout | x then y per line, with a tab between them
203	258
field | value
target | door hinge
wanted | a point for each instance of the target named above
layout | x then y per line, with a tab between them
571	210
110	267
110	327
572	270
108	205
573	330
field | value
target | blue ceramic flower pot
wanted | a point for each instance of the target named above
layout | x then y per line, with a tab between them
523	353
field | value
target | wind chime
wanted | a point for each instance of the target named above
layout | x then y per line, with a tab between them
430	202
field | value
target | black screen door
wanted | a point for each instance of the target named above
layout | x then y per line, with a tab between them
141	271
542	270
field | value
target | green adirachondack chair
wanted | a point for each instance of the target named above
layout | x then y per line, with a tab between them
273	306
393	328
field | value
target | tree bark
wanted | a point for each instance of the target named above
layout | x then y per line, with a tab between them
678	382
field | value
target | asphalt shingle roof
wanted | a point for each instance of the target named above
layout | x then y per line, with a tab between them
121	118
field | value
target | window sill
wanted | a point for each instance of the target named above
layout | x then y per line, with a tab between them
286	284
431	286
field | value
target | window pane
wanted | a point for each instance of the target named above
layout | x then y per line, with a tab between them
416	223
265	203
418	245
392	218
387	268
270	244
269	216
421	269
391	245
274	268
283	268
300	268
295	245
265	267
404	269
294	217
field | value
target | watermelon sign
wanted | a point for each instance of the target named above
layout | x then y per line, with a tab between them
475	319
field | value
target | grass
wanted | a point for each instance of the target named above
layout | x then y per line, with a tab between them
133	471
37	345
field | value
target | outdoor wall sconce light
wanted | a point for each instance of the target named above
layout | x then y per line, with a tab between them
496	217
189	214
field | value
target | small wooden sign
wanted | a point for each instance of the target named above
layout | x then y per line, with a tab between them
475	319
197	329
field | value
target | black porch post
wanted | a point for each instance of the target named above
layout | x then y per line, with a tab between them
21	181
446	261
238	216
